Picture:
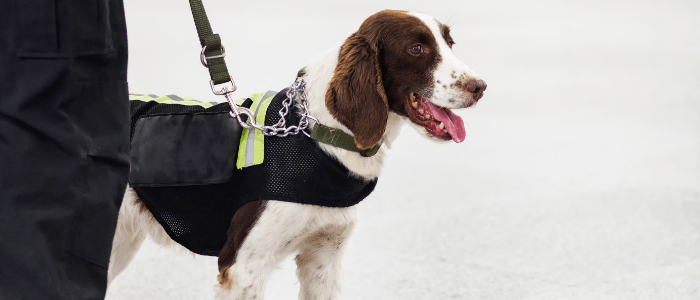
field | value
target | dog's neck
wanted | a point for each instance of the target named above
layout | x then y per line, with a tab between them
319	73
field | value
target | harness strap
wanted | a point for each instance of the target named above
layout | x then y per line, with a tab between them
338	138
213	51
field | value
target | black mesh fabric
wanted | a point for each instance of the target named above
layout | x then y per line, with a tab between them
295	170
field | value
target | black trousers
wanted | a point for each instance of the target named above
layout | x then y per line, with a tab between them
64	142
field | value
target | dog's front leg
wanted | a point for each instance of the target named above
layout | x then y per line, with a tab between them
274	236
319	263
245	280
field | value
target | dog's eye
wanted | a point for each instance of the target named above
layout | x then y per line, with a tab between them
417	49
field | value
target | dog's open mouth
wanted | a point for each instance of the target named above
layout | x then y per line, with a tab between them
440	122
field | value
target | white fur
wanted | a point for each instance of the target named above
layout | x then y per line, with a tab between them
316	234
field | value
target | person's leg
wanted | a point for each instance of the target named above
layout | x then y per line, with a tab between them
64	139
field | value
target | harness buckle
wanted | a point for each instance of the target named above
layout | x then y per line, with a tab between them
203	58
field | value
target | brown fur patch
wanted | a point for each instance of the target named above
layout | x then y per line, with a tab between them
143	209
224	280
355	96
445	31
242	222
142	206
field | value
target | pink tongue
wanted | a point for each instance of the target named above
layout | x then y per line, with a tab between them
453	123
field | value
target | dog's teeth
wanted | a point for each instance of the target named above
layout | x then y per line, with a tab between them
415	104
421	111
442	125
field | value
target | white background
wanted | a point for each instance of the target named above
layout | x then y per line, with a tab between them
579	177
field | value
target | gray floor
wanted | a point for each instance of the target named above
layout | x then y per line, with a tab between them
579	178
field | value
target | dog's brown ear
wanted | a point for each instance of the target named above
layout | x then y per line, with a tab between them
356	96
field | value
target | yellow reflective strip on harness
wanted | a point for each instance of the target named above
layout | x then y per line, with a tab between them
240	161
242	149
173	99
252	148
259	136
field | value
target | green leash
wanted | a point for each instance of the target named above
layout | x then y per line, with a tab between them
213	52
212	57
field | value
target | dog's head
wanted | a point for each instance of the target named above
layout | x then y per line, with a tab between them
401	62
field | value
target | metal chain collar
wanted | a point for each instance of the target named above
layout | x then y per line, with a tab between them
280	129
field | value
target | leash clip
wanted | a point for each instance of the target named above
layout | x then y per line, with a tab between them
239	112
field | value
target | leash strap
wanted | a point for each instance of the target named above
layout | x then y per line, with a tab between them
338	138
212	57
213	52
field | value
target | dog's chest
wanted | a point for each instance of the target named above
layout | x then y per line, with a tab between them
195	176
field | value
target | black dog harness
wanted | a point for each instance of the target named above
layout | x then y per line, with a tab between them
194	166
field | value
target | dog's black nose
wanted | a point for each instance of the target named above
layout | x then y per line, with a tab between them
476	86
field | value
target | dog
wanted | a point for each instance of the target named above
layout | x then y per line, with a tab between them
398	67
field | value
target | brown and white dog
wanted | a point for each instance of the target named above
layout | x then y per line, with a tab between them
398	66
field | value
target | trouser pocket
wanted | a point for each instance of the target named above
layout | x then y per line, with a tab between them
62	28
